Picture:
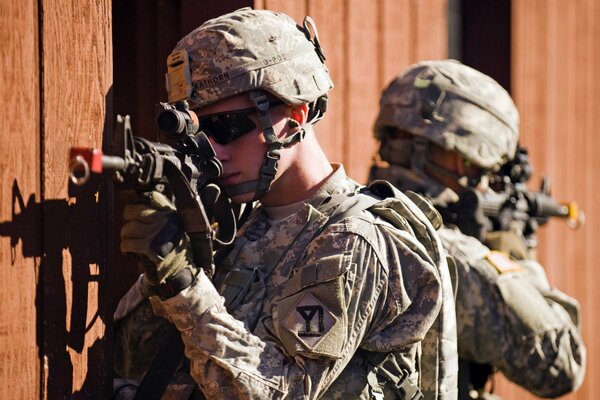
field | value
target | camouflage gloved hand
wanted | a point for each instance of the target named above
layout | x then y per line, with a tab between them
153	232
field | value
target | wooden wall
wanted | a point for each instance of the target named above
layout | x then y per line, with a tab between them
55	86
19	191
555	83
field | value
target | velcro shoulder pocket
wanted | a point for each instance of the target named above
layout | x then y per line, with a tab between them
529	312
310	317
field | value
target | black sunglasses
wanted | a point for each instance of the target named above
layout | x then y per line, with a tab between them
225	127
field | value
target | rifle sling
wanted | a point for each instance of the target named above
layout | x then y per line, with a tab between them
162	368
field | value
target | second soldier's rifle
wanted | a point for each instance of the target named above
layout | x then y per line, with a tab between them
510	205
183	166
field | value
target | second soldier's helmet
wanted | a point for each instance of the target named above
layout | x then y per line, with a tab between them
453	106
248	50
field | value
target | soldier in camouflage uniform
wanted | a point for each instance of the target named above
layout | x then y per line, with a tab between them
300	306
443	126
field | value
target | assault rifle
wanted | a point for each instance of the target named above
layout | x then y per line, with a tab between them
510	205
183	167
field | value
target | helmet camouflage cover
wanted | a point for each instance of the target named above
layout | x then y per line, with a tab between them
248	50
455	107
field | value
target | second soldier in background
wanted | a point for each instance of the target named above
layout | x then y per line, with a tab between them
444	127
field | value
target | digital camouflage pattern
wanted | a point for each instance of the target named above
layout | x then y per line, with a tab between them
249	50
296	309
453	106
439	358
510	317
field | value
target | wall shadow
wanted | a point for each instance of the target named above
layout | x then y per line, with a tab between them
77	228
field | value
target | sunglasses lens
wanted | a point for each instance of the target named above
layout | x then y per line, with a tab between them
225	128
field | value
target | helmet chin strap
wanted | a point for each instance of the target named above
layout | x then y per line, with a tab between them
273	154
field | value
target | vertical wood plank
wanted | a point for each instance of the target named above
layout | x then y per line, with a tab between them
591	185
295	9
555	64
76	110
528	17
396	40
329	17
20	219
193	12
430	32
578	267
362	85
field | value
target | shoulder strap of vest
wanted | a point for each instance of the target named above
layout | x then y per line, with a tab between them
439	358
352	205
377	191
439	379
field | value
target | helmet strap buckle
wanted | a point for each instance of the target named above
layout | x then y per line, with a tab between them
269	168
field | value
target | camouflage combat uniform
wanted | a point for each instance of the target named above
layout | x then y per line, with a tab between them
298	312
509	316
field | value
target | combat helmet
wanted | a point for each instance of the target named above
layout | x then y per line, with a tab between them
452	105
258	52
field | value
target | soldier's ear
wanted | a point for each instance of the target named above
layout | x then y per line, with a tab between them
299	115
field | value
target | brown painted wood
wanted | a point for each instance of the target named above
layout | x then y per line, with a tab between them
194	12
395	39
76	108
362	85
20	219
296	9
555	68
329	18
430	29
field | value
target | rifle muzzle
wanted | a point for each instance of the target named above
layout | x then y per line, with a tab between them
84	161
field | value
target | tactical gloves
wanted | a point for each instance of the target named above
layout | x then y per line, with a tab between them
153	232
